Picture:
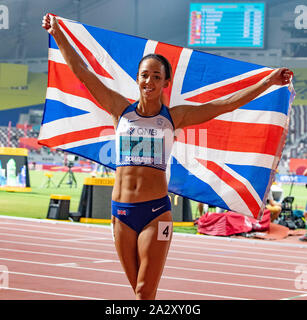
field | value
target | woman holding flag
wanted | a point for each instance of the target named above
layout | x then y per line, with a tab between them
141	210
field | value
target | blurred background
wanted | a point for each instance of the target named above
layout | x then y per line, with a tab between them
279	39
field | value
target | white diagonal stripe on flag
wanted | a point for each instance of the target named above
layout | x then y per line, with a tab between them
176	96
76	102
150	47
126	86
86	142
227	193
222	83
68	125
232	157
255	116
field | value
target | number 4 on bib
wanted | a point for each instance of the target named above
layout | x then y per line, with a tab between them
165	230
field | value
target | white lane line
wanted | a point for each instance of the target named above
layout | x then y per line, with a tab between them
52	254
69	264
34	222
119	285
69	279
169	290
173	245
104	260
58	233
230	264
236	284
66	265
171	252
233	257
217	251
235	243
180	237
76	266
73	264
233	246
217	254
168	258
295	297
52	294
243	275
58	247
83	239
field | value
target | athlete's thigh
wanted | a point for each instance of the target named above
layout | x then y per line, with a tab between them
126	246
153	245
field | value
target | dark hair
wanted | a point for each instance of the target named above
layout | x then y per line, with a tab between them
163	60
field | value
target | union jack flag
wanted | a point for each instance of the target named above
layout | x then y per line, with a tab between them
228	162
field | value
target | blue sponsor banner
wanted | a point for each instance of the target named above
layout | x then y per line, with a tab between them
289	178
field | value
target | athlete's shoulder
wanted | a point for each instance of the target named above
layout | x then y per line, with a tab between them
129	108
166	113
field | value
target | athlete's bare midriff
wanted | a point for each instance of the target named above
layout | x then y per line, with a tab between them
138	184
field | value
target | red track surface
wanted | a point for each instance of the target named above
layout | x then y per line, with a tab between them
56	260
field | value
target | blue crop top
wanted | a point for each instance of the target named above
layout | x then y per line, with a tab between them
144	141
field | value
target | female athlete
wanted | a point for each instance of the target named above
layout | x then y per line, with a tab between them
141	210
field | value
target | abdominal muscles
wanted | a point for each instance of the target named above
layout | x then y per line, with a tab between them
138	184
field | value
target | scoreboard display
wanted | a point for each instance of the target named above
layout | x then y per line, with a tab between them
226	25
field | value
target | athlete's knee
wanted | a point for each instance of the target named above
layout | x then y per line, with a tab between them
144	291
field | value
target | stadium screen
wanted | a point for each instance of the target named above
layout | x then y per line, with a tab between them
226	25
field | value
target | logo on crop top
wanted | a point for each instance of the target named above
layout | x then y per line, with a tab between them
142	131
130	131
160	121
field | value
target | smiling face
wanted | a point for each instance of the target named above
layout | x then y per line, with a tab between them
151	79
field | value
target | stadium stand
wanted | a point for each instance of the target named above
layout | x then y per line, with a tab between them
10	136
300	85
296	143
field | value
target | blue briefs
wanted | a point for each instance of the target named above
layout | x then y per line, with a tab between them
137	215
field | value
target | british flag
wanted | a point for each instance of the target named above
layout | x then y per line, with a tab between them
228	162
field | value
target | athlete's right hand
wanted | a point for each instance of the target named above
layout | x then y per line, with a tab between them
50	23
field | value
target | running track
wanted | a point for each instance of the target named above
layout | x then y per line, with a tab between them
63	261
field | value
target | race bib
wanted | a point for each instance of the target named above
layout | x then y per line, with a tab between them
165	229
141	150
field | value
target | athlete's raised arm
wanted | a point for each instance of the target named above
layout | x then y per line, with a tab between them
187	115
112	101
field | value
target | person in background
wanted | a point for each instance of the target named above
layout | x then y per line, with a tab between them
273	206
200	208
304	237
